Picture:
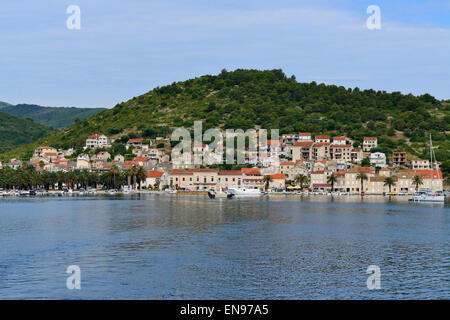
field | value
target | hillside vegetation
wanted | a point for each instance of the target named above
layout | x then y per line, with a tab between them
269	99
15	131
56	117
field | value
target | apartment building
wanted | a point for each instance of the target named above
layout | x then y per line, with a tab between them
97	141
341	152
369	143
302	150
399	158
378	159
420	164
322	139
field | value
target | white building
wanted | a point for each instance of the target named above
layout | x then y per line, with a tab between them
156	178
341	141
83	161
369	143
97	141
420	164
378	159
304	136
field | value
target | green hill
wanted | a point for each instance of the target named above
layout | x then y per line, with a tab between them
270	99
56	117
16	131
4	104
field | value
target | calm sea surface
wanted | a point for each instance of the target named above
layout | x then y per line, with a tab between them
190	247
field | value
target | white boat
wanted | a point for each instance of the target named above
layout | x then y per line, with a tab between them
428	196
245	192
212	194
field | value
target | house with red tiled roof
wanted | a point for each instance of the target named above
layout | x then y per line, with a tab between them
341	152
304	136
302	150
138	143
41	150
321	151
96	141
156	179
199	179
83	161
278	181
322	138
102	156
230	179
291	169
369	143
339	140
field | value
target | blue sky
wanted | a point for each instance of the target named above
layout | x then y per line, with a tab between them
126	48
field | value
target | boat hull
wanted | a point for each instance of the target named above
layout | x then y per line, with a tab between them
245	192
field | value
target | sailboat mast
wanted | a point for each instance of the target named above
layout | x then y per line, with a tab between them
431	163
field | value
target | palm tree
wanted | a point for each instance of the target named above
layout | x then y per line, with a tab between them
114	172
141	175
389	181
134	171
417	180
267	179
301	179
128	173
332	179
362	176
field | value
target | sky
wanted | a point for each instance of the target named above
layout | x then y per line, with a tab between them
126	48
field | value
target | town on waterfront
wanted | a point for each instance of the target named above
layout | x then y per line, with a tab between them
293	163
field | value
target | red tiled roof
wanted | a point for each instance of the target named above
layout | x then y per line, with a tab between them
321	144
366	169
278	176
139	140
369	138
94	136
303	144
322	137
287	163
251	171
318	172
141	159
270	142
341	146
230	172
426	174
304	134
155	174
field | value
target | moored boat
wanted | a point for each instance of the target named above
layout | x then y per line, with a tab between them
244	192
429	196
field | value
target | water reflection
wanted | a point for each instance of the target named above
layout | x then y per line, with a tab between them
171	246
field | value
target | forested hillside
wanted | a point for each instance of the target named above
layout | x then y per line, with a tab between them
270	99
15	131
56	117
